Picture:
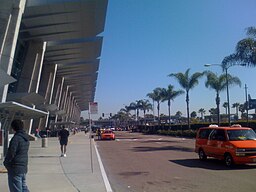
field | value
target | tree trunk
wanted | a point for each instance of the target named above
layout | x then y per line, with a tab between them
158	111
187	100
218	107
169	111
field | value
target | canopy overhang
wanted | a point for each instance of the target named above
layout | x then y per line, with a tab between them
14	110
71	29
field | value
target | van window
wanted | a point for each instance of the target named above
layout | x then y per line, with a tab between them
242	134
218	134
204	133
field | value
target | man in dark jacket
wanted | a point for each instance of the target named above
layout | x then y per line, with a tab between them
16	160
63	138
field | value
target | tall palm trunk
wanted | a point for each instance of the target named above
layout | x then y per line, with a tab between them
218	107
237	112
158	112
153	109
187	101
169	111
202	115
144	120
137	114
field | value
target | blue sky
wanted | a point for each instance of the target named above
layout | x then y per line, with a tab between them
145	40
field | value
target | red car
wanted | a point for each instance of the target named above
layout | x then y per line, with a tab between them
108	134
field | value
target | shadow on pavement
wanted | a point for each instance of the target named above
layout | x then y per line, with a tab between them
210	164
43	156
133	173
171	148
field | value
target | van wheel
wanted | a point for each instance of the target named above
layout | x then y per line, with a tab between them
228	160
202	155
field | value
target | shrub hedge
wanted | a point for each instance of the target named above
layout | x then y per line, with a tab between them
182	130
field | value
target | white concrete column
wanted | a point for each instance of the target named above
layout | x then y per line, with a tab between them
50	85
78	115
58	96
63	100
56	91
60	93
11	14
32	69
31	73
72	108
47	86
66	99
69	105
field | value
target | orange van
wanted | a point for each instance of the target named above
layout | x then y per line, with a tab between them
234	145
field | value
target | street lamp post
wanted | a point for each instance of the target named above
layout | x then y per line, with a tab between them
226	73
247	106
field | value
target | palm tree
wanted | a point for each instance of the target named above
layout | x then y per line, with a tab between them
219	83
213	112
193	114
145	106
153	97
178	115
187	82
138	107
133	106
157	95
126	111
245	50
242	109
225	105
202	112
168	95
236	106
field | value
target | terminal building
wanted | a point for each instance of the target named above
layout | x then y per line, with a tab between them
49	61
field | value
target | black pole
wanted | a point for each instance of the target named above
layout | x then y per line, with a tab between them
229	121
247	105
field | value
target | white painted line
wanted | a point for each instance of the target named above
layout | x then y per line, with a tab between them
103	172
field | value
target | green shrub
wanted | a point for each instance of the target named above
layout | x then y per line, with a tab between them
178	133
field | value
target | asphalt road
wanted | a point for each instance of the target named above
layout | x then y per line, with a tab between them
152	163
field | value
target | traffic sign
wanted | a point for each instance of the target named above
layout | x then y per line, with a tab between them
93	108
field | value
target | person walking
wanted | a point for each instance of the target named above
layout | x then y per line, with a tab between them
38	133
98	133
63	138
16	159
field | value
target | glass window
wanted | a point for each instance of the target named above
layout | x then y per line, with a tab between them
242	134
218	135
204	133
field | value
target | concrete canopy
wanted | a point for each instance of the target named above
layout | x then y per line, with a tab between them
70	28
20	111
5	78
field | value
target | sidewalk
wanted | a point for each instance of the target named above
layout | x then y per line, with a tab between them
48	172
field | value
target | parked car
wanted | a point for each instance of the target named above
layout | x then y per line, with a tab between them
234	145
108	134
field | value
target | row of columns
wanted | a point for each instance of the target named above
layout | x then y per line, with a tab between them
36	76
10	19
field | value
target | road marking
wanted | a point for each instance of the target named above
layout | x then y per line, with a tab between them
103	172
